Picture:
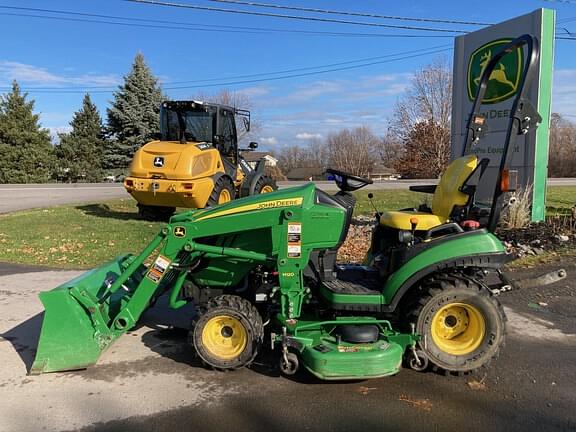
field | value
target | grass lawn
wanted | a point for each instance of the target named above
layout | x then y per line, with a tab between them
83	236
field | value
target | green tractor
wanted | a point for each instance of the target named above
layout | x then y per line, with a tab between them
262	271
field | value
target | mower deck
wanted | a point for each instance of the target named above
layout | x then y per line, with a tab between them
330	360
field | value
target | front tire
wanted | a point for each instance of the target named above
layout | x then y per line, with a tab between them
461	324
265	184
229	334
222	192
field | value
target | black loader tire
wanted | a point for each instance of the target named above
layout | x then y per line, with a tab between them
462	326
222	186
265	184
228	334
155	213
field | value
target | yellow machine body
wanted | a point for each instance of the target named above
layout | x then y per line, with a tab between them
185	178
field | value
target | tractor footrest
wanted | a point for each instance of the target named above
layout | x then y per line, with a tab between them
359	287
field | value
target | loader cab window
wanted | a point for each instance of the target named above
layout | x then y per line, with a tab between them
198	124
227	132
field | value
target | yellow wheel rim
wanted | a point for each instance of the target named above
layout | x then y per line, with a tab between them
458	328
267	189
224	196
224	337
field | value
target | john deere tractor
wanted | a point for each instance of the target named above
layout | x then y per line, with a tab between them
196	161
262	271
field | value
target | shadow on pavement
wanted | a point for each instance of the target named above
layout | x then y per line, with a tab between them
24	338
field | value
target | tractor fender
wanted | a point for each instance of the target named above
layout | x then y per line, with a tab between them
492	260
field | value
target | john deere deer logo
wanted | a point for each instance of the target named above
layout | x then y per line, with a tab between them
504	79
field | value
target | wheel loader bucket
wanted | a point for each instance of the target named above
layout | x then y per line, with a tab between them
75	327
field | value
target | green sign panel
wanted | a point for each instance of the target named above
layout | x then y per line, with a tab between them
504	79
473	51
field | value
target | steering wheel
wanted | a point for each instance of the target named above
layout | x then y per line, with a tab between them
348	182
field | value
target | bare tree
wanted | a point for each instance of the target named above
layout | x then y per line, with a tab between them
292	157
235	100
315	155
388	149
562	159
427	103
352	150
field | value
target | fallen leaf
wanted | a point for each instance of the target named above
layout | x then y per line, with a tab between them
365	390
423	404
477	385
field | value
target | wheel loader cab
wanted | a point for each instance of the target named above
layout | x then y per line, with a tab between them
195	163
226	141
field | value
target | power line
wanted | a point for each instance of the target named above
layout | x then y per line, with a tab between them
561	1
348	13
236	81
293	17
280	72
188	26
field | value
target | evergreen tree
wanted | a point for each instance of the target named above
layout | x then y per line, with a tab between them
80	152
26	153
133	118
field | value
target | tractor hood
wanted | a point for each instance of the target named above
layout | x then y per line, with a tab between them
301	196
175	161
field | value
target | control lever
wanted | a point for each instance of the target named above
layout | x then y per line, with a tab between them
370	196
413	225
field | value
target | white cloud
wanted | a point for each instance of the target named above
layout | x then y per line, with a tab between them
269	141
29	74
313	90
255	92
308	136
55	131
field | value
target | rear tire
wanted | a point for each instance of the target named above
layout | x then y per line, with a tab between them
155	213
229	334
461	324
222	193
265	184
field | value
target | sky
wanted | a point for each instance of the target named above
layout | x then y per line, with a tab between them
305	78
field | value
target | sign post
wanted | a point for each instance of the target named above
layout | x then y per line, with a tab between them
472	52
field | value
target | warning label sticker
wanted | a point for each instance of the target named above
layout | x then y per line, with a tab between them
294	251
294	240
158	269
295	228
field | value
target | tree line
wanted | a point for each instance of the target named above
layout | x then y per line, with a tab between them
91	148
417	142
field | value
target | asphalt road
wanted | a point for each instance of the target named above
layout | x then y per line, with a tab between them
23	197
148	380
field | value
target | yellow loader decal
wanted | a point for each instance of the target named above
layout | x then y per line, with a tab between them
258	206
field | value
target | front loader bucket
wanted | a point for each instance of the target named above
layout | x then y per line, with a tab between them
77	313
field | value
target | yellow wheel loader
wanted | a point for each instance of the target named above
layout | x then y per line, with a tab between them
195	161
